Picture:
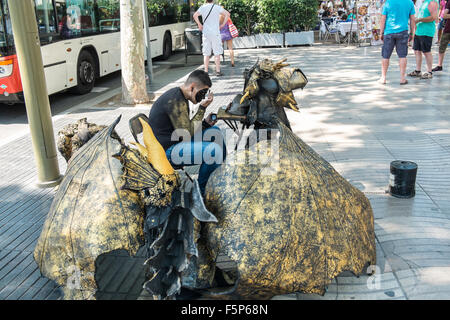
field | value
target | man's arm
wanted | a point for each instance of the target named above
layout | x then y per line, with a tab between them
446	14
226	16
382	26
197	20
432	7
180	118
412	25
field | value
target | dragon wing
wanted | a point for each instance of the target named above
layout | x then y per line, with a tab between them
90	215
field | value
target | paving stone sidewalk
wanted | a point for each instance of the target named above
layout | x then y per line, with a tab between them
356	124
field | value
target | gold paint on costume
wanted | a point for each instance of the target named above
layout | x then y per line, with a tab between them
156	155
73	136
90	215
179	117
286	218
99	207
291	226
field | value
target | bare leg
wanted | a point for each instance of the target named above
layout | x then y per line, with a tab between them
402	64
441	59
230	50
429	60
217	61
206	62
418	55
384	69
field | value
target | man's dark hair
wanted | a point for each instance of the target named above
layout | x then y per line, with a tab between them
200	77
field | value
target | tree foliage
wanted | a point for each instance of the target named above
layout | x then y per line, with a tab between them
244	14
267	16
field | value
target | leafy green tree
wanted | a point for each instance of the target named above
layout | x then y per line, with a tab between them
303	14
244	14
273	16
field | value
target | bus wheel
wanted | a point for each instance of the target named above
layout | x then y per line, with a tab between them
167	46
85	73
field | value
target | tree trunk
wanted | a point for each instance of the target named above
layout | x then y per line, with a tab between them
134	89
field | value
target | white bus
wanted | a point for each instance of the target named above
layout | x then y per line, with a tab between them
80	41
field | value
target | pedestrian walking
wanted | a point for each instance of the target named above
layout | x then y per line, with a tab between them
212	41
394	32
423	39
441	22
227	36
445	38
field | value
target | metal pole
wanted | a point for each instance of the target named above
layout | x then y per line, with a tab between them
28	50
147	38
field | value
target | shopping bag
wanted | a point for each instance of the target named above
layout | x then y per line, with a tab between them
233	30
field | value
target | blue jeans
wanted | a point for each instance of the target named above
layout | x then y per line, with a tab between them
208	154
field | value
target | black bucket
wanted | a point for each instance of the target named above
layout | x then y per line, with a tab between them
402	179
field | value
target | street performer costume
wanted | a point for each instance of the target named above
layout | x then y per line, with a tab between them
277	209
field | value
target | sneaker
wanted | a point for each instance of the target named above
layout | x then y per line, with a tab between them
415	73
438	68
427	75
219	74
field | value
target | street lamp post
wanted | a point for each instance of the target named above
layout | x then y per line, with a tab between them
28	50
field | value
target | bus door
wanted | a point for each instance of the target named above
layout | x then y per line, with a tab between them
54	51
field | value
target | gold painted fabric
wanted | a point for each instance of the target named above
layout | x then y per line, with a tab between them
289	221
73	136
90	215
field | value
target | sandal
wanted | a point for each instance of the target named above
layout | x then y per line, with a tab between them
415	73
402	83
427	75
219	74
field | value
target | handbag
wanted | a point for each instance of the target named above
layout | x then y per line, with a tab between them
233	30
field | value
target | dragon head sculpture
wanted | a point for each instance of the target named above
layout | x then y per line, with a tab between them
268	89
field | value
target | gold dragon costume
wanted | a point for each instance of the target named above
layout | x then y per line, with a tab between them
289	221
277	209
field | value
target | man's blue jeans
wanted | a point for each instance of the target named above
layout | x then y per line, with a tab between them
208	154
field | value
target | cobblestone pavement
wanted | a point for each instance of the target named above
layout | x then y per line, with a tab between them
356	124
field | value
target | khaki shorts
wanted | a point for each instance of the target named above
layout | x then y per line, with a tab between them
445	39
212	44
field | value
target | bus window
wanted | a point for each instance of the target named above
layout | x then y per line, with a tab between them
183	11
45	17
168	12
76	18
108	15
6	37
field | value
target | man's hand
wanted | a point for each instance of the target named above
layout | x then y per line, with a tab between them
382	37
207	101
209	120
418	20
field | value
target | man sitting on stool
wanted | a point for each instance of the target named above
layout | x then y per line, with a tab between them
169	119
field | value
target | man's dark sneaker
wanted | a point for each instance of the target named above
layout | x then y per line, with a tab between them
438	68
